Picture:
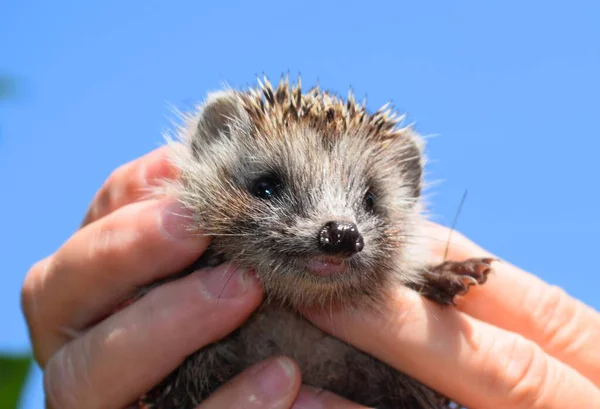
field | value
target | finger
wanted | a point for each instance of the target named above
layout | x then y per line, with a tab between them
131	351
101	265
519	302
131	182
472	362
271	384
312	398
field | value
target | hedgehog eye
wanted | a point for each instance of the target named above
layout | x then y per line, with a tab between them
266	187
369	201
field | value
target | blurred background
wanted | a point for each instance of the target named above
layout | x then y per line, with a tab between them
509	90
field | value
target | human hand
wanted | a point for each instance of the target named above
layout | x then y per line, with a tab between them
515	342
93	357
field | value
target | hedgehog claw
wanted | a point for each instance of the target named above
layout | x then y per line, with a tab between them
453	278
470	280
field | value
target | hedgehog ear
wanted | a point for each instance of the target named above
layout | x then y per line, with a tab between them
409	151
221	114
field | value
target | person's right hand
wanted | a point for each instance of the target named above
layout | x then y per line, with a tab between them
128	240
515	342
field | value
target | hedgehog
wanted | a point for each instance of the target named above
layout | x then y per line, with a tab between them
323	201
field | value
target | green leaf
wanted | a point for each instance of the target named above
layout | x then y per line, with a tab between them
13	374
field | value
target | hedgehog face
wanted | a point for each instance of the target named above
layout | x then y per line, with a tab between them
317	196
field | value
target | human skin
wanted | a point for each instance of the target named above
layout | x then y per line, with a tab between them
515	342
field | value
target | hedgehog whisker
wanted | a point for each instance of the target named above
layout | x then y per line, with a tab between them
235	270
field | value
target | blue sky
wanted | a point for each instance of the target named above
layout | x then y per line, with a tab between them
510	89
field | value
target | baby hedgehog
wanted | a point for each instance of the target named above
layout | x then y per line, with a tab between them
322	200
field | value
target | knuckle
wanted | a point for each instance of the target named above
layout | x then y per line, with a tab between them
172	313
109	192
522	371
181	304
101	244
186	301
554	314
68	376
30	291
544	304
112	242
59	382
116	176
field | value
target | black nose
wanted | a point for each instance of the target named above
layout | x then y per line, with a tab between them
341	238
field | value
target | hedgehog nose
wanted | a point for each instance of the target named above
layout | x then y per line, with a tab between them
341	238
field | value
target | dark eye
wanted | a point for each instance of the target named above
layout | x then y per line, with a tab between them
369	201
266	187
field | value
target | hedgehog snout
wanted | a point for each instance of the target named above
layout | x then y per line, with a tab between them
340	238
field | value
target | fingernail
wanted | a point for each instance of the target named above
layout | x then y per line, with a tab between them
307	399
226	281
175	221
276	377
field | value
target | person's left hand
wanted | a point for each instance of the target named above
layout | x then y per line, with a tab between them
94	357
